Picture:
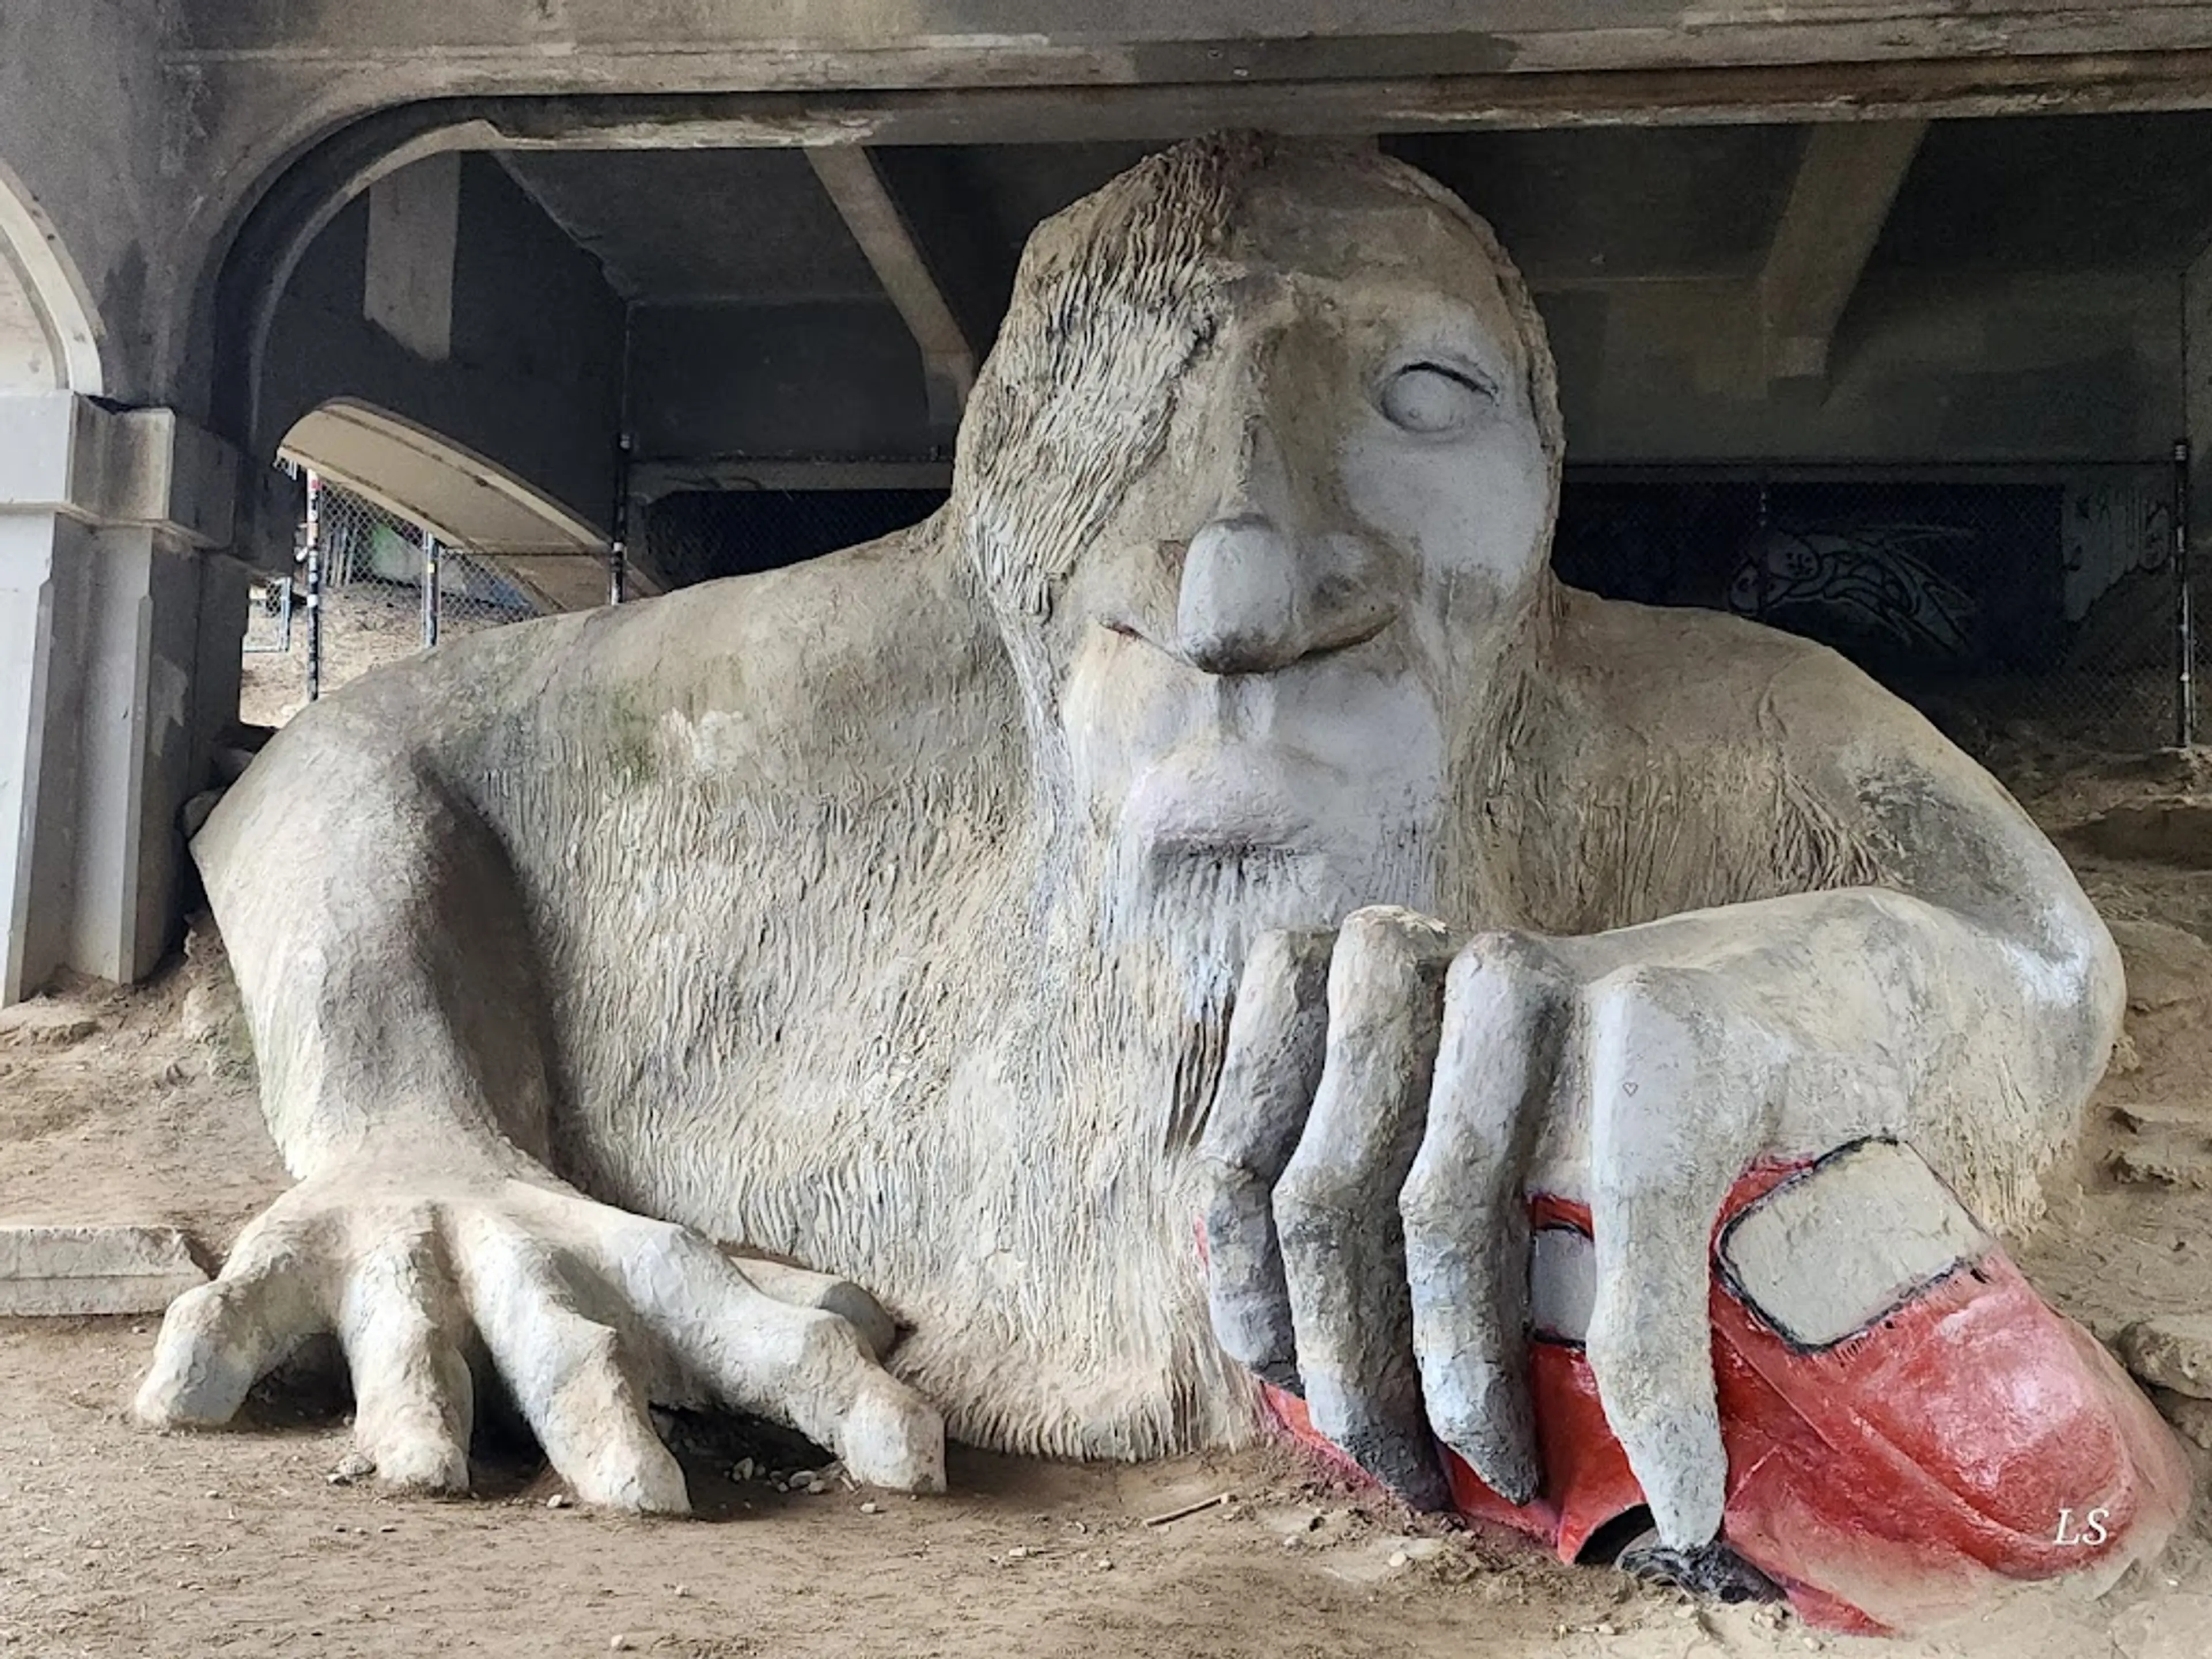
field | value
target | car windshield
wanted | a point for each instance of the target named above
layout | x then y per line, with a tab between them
1856	1236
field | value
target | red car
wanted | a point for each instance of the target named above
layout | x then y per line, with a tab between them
1907	1422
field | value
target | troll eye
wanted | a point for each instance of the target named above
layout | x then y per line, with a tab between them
1428	397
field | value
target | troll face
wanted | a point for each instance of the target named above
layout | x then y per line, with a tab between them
1261	480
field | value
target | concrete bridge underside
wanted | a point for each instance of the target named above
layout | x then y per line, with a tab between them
749	245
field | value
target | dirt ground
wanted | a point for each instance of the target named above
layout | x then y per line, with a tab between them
117	1542
365	624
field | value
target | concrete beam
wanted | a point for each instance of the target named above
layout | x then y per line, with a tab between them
948	359
414	236
937	42
464	499
1837	204
143	468
744	101
88	1271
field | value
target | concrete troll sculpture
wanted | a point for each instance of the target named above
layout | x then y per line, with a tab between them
1205	928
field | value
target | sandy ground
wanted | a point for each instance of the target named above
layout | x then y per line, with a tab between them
118	1541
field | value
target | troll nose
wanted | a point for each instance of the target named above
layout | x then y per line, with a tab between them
1238	610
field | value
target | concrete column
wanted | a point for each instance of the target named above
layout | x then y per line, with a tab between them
108	600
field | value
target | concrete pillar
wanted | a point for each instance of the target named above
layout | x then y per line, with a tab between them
109	604
414	238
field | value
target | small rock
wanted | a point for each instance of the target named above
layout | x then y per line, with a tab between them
2183	1159
351	1468
618	1644
1105	1564
1398	1558
745	1470
559	1500
870	1508
680	1590
387	1528
2173	1353
2191	1416
1019	1552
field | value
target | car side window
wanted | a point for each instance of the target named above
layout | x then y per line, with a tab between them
1846	1241
1561	1284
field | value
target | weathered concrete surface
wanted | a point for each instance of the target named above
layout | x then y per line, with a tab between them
107	110
94	1270
2173	1353
105	612
84	130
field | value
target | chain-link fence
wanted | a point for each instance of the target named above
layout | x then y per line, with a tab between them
694	535
381	587
2011	608
271	605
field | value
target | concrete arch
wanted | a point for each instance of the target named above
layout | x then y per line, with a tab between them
50	333
462	498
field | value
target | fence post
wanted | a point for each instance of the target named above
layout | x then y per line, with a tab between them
2185	622
314	554
618	534
430	597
